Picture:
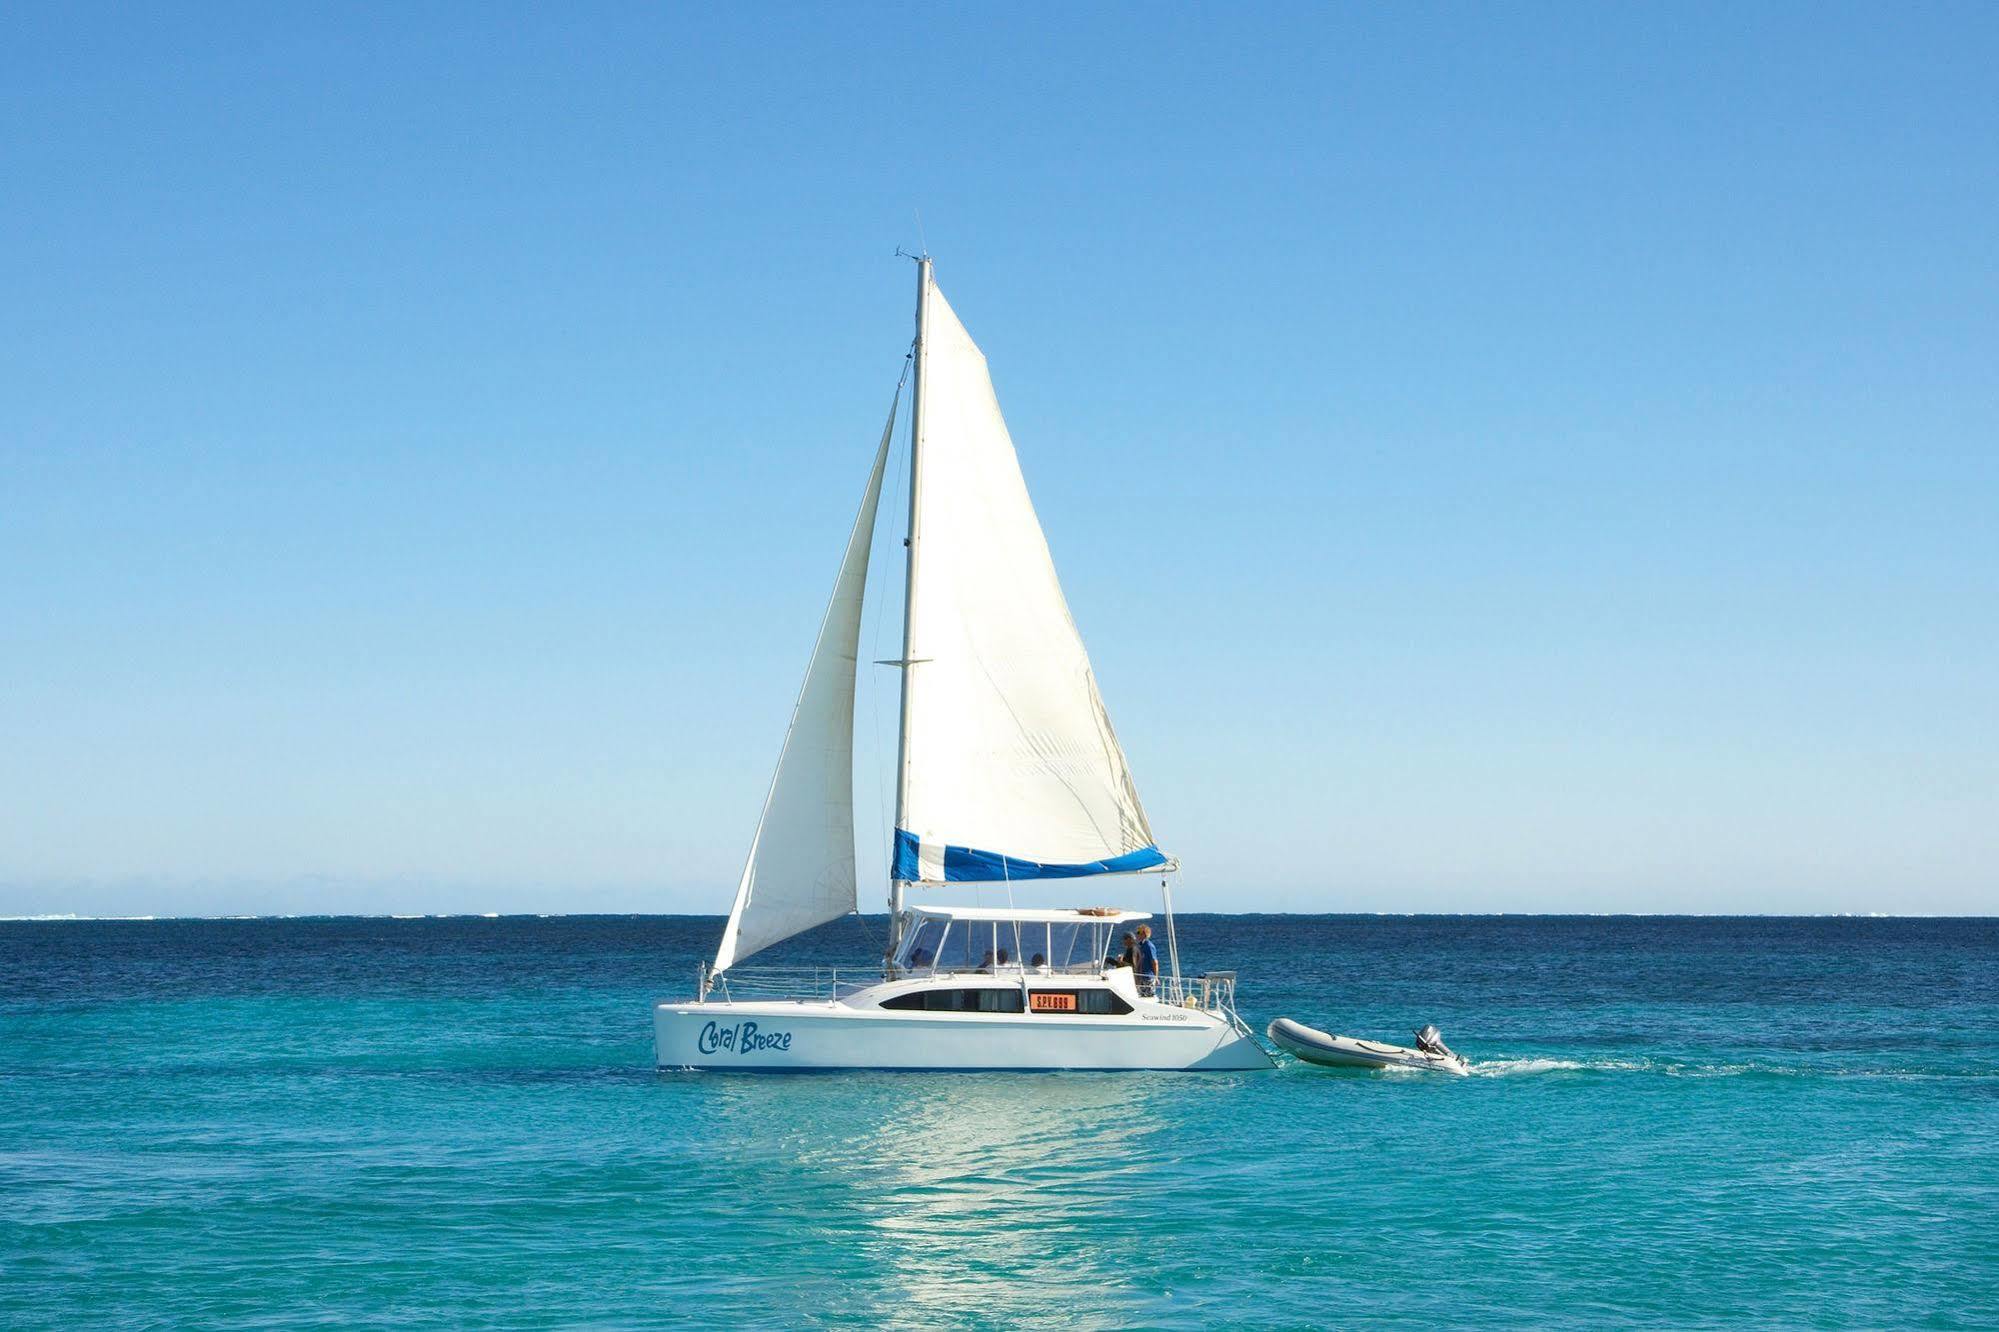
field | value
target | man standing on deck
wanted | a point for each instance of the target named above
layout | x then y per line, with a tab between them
1148	961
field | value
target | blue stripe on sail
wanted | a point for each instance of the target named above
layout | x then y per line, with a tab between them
965	864
905	857
968	863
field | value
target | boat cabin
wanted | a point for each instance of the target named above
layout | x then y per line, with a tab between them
1045	941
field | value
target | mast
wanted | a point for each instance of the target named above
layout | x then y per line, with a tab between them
910	546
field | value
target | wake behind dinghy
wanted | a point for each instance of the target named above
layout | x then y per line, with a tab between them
1316	1047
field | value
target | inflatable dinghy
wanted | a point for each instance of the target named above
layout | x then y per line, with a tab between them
1317	1047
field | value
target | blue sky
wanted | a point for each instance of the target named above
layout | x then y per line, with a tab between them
1529	458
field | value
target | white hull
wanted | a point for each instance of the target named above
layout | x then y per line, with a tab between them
779	1036
1317	1047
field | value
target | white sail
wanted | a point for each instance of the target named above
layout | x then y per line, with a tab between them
801	866
1013	770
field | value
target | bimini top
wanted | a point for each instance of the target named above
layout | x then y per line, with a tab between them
1059	915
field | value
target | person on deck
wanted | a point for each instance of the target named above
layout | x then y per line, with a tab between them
1126	958
1148	961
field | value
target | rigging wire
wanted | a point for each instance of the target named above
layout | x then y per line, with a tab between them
895	452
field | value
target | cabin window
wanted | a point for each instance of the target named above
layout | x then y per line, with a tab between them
990	1000
1074	1003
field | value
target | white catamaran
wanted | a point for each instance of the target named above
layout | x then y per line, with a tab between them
1007	773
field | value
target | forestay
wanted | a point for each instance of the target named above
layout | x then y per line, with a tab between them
801	865
1013	769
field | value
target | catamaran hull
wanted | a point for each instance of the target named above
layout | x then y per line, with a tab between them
802	1037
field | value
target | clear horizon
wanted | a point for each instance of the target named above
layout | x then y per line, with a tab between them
1501	463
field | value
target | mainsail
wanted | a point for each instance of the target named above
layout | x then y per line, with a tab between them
801	866
1012	770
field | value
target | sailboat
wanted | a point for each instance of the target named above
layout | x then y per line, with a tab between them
1008	778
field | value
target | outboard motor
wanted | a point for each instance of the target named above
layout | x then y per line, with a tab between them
1431	1042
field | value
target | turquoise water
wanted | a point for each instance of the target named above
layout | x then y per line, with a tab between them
436	1123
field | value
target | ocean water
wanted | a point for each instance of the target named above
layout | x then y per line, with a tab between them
447	1123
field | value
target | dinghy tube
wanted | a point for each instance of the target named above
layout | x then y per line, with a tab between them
1316	1047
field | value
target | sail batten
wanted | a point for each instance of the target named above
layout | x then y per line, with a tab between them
800	870
1012	768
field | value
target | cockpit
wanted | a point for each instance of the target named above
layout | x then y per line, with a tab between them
990	940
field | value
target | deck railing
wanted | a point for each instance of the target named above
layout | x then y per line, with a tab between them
805	984
1214	990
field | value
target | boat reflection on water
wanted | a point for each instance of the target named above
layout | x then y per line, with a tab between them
995	1181
998	1197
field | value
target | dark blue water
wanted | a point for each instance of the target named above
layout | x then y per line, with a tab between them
435	1123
